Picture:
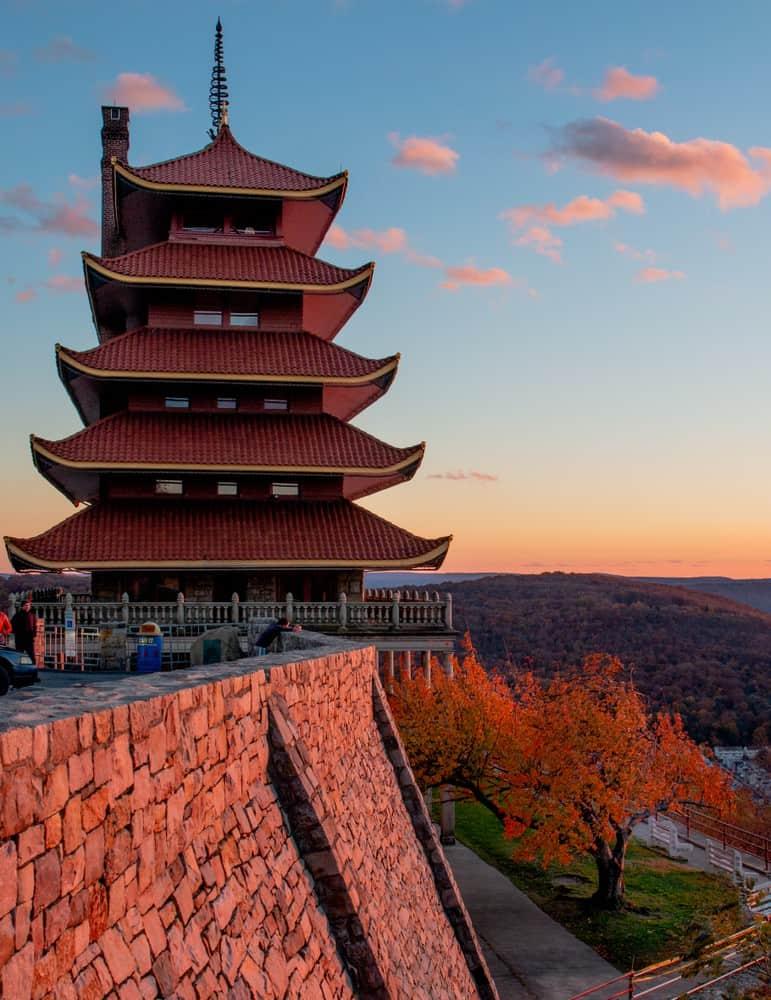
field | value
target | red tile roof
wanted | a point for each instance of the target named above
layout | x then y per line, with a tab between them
228	265
173	534
156	352
226	164
257	442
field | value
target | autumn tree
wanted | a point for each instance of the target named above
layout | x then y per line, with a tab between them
569	766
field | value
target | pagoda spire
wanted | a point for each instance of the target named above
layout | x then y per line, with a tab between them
218	91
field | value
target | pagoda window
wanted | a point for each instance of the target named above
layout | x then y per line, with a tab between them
279	490
244	319
276	404
177	403
207	317
201	220
227	489
227	403
172	486
253	224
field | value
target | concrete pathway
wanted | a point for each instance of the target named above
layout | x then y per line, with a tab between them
531	957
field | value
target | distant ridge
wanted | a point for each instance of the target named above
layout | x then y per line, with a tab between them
704	655
755	593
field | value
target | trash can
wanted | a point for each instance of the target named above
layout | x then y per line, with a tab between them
149	648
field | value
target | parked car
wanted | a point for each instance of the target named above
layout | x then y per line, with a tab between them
16	670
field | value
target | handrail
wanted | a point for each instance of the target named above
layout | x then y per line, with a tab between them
392	610
756	844
677	967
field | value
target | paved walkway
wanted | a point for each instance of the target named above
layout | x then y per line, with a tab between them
531	957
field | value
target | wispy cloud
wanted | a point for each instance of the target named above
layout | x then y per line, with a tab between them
61	48
142	92
579	210
15	109
695	166
8	62
36	215
390	240
82	183
470	274
55	257
460	476
620	83
393	240
543	241
428	155
546	74
628	251
64	283
25	295
651	275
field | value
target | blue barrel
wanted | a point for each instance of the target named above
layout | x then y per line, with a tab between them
149	648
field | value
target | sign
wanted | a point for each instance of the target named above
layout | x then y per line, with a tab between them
70	636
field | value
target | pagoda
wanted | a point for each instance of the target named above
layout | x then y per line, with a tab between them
218	454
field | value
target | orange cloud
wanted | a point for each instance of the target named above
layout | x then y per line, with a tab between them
429	156
15	109
27	295
546	74
580	209
64	283
695	166
481	477
82	183
469	274
8	61
627	251
619	82
58	216
393	240
543	241
54	256
142	92
63	49
651	275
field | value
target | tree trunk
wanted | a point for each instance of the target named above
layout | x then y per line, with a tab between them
610	872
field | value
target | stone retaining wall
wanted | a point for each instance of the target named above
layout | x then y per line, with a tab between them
228	831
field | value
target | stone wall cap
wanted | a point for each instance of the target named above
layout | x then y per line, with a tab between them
87	692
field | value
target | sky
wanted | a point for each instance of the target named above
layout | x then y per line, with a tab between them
570	210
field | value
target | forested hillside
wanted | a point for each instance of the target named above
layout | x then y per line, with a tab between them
707	657
15	583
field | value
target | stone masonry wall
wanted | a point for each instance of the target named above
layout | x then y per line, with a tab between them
252	833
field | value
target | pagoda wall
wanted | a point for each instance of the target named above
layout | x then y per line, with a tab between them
203	397
301	221
277	312
203	487
228	831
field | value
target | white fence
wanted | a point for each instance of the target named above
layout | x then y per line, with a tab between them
379	611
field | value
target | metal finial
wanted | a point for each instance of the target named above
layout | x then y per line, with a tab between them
218	92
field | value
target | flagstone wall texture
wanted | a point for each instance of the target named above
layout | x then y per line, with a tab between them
254	835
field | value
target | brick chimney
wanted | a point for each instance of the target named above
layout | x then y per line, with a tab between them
115	142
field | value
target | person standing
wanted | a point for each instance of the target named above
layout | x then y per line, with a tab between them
24	624
5	628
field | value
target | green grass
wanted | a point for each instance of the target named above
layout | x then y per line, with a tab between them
668	904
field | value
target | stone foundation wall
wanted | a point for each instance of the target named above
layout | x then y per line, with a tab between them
256	834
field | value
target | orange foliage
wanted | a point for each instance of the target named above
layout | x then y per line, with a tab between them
574	762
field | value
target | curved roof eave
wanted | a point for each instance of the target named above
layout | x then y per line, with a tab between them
326	186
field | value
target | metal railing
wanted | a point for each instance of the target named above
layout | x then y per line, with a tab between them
729	835
730	956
